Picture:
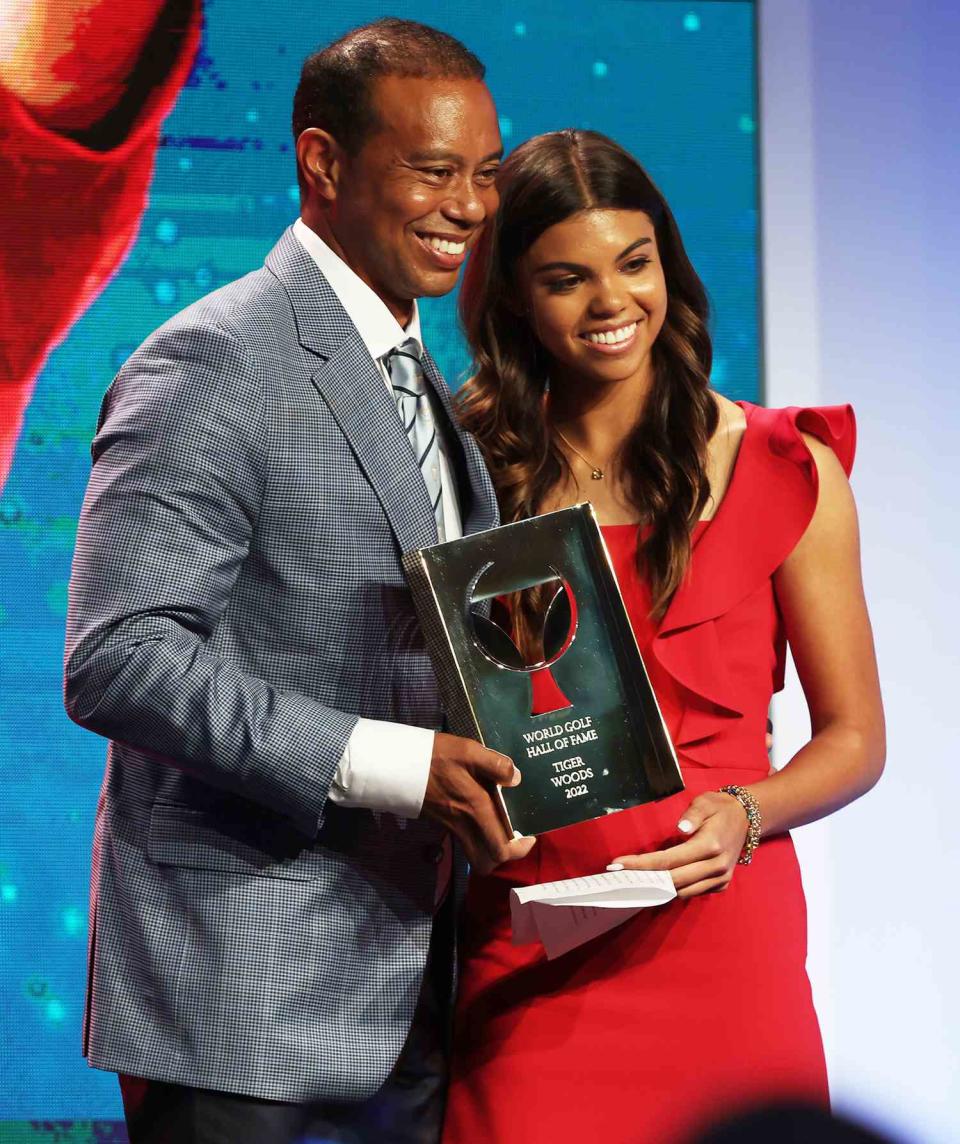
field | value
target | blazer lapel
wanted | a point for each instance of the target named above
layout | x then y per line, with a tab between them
355	392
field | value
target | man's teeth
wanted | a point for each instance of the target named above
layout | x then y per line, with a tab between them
611	337
441	246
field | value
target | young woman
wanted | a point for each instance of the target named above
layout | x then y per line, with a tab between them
732	529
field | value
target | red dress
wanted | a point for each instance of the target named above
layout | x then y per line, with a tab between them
690	1011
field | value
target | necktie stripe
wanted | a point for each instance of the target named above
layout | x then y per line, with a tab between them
409	385
423	455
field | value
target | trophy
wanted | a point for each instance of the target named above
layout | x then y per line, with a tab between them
540	595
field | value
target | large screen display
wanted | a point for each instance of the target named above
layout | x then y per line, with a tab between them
674	82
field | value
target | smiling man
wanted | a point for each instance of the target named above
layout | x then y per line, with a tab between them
273	881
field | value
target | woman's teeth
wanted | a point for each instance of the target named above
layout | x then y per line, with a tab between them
612	337
442	246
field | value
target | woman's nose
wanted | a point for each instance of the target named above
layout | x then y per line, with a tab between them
609	298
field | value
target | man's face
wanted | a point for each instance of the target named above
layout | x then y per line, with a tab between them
411	204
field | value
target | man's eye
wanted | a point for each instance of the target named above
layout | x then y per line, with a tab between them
488	175
438	172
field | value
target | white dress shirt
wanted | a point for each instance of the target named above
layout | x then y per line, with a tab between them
385	765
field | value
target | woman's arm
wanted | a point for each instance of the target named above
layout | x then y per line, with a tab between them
820	592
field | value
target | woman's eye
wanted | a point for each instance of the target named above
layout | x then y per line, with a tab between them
561	285
636	264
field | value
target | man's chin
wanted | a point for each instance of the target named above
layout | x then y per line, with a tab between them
437	283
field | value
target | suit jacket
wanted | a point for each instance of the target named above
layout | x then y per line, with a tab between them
237	602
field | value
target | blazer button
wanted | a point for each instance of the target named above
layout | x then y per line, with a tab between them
433	854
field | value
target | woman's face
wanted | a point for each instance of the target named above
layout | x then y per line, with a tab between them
595	294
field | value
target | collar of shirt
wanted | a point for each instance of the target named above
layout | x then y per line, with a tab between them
379	329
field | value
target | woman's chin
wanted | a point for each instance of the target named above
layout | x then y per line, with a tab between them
604	371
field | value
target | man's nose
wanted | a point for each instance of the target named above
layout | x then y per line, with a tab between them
466	204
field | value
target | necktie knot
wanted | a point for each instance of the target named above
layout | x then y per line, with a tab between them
406	370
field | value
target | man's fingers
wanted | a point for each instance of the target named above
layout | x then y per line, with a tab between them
485	765
460	794
493	767
518	848
484	857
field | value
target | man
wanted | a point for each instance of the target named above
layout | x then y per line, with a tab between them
83	91
270	849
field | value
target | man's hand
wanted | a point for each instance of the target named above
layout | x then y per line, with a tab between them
716	825
460	795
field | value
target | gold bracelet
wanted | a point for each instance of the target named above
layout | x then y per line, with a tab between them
752	811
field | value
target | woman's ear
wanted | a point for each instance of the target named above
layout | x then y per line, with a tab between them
320	159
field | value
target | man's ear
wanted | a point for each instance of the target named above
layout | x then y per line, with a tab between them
320	159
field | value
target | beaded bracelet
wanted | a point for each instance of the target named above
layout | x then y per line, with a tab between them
752	811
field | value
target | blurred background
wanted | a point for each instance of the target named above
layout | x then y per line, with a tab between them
821	135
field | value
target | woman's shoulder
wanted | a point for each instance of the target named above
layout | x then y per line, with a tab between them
804	436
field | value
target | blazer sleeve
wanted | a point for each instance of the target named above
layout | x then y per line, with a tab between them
166	524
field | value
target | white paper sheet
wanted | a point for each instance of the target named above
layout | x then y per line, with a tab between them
563	915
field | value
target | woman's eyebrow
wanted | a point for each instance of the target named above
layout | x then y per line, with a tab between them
579	268
633	246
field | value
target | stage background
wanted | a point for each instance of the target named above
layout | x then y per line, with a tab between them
674	82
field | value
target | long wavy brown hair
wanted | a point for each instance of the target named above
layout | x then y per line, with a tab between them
544	181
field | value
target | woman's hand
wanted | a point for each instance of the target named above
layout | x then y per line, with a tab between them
716	826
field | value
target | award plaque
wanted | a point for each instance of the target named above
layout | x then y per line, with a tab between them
537	596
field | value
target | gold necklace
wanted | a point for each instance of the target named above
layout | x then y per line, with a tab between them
596	473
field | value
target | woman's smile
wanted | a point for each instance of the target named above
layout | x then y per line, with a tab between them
611	339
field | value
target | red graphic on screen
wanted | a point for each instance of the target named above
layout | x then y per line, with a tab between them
84	87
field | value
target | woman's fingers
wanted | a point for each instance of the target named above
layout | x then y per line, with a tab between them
707	886
715	825
692	819
706	843
683	863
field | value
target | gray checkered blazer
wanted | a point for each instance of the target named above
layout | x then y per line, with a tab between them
237	601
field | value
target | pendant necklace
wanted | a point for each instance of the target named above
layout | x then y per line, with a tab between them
596	473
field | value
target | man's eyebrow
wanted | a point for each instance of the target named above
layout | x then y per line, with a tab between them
451	157
580	269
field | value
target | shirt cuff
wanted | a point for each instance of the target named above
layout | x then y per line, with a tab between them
385	766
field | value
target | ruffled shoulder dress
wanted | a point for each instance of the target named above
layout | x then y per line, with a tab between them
691	1011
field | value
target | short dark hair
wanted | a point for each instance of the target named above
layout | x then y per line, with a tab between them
336	84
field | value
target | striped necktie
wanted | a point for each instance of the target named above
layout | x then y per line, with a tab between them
412	395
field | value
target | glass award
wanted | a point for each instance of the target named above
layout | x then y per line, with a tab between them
541	595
